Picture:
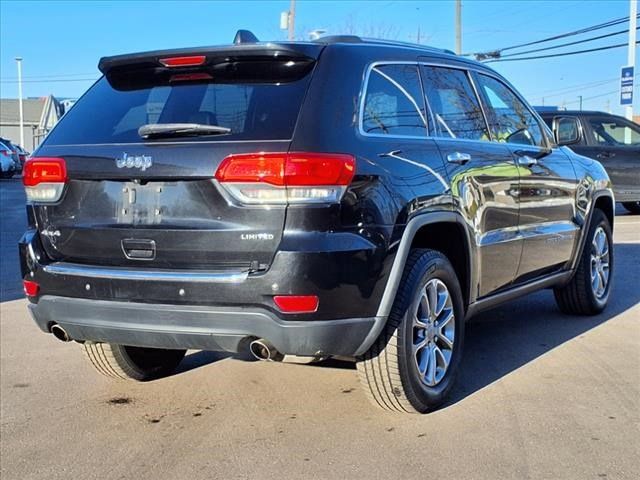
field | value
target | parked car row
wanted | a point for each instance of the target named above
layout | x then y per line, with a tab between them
12	158
612	140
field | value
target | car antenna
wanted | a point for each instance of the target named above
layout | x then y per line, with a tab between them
245	36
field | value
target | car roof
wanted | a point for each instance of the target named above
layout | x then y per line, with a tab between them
584	113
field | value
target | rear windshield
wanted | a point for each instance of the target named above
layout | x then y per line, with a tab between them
253	111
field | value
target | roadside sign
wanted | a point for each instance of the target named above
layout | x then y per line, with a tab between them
626	86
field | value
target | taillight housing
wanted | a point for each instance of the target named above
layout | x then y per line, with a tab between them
285	178
44	179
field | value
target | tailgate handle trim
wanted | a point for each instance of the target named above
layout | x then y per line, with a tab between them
138	249
120	273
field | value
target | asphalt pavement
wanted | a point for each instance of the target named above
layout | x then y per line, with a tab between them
541	395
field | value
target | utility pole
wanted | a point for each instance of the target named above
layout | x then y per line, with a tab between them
19	62
631	61
458	27
292	20
580	97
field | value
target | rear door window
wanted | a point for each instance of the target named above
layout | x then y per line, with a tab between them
393	103
453	103
253	111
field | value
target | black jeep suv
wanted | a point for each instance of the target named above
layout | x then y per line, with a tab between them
345	197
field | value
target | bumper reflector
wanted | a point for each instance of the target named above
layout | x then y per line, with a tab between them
31	289
296	303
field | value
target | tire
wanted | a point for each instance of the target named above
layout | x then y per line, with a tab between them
633	207
389	370
132	363
580	296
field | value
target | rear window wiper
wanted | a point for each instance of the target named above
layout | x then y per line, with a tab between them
156	130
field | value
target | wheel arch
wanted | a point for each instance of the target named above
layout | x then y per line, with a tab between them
422	232
601	200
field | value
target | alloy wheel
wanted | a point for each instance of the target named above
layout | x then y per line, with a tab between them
433	332
599	263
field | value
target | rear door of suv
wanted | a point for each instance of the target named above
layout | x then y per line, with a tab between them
483	175
154	202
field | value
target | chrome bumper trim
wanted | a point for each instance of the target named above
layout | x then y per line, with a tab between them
123	273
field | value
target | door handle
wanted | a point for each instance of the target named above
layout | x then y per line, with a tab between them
526	161
606	155
459	158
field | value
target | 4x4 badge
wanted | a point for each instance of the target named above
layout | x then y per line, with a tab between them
134	161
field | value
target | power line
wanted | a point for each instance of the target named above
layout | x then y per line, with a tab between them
599	37
577	52
497	53
52	81
592	97
48	76
599	26
581	86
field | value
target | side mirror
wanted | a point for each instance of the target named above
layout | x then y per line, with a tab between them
566	130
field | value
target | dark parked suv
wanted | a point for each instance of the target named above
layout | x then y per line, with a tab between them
345	197
612	140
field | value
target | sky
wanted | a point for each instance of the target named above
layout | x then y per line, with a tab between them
61	42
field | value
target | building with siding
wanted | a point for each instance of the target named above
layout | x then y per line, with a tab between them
40	115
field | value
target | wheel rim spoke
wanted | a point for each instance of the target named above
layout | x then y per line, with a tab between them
432	295
431	369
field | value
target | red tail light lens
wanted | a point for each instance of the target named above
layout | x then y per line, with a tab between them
297	303
44	170
296	177
44	178
30	288
190	61
253	168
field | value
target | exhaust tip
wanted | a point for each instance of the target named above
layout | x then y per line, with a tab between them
60	333
264	350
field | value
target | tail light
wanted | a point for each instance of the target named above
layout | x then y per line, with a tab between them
44	179
6	153
281	178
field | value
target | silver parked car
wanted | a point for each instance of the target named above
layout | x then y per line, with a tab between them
8	164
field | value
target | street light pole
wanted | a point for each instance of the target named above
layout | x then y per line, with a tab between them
458	27
631	61
19	62
292	20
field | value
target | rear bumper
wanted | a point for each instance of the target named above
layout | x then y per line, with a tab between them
204	328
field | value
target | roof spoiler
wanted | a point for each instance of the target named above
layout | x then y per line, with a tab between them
246	50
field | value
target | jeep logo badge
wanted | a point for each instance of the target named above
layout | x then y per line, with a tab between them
134	161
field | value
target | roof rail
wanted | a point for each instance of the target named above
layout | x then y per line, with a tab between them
377	41
244	36
339	39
